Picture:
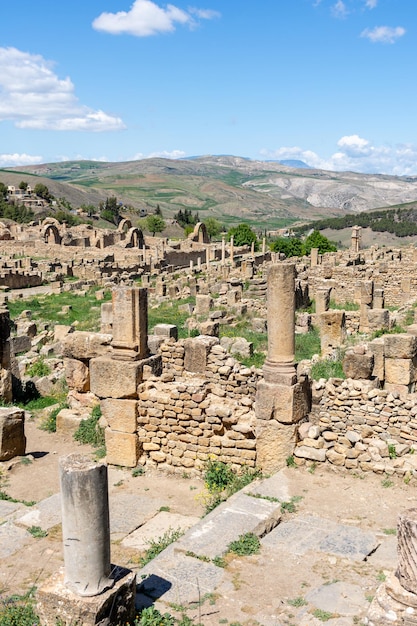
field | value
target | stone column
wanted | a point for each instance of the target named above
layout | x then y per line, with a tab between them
231	249
223	251
263	245
279	365
314	257
407	550
322	300
252	248
281	399
85	525
130	323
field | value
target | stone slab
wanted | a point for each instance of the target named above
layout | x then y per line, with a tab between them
128	512
276	486
240	514
46	513
163	522
340	598
174	577
309	533
10	510
12	539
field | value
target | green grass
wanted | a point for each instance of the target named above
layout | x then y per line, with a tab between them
327	369
85	311
307	344
18	610
49	423
344	306
37	532
168	313
89	432
39	368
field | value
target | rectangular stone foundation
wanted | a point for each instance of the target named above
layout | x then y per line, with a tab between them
112	607
285	404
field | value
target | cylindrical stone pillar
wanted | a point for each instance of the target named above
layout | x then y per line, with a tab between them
223	251
231	249
85	525
407	550
279	365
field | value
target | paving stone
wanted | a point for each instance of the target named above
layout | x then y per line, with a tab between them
174	577
240	514
46	513
10	510
385	556
128	512
340	598
306	533
12	539
274	487
156	527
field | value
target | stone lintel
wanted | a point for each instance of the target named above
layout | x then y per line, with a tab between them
282	403
112	607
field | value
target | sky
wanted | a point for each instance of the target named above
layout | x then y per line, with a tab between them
329	82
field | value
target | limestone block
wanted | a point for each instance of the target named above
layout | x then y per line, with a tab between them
61	331
377	348
275	443
332	330
77	375
154	343
400	371
196	351
285	404
358	366
378	319
68	421
122	448
312	454
85	345
120	415
166	330
110	378
19	344
12	433
407	550
6	393
402	346
203	304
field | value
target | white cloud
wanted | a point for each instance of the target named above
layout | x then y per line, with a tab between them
163	154
146	18
383	34
371	4
339	9
32	96
13	160
355	154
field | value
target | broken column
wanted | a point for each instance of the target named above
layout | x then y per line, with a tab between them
281	399
395	601
89	590
367	296
355	242
130	323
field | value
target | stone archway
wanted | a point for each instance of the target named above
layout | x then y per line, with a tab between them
199	233
134	238
50	234
124	225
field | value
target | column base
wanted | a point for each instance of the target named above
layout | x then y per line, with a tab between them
283	403
113	607
279	373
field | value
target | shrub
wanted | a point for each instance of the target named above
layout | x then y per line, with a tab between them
39	368
246	544
89	431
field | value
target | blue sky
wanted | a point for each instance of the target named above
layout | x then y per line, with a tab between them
330	82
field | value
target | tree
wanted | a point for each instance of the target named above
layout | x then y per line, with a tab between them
290	246
23	185
243	235
155	224
158	210
3	191
213	226
317	240
42	191
110	210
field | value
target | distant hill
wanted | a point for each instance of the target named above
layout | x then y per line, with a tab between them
232	189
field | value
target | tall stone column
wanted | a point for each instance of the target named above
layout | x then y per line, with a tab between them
130	323
231	249
223	251
85	525
279	365
281	399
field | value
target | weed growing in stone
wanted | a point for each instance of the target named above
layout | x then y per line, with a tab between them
222	482
389	531
38	369
290	461
37	532
157	545
323	616
18	610
392	451
297	602
245	545
89	432
387	482
138	471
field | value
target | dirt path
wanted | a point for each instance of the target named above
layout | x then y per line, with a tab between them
257	589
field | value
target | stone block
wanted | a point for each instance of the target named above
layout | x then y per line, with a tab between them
110	378
312	454
68	421
378	319
332	330
112	607
358	366
285	404
21	343
196	351
167	331
61	331
120	415
12	433
402	346
203	304
377	348
121	448
400	371
77	375
84	345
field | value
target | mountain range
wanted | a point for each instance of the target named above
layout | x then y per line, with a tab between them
229	188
